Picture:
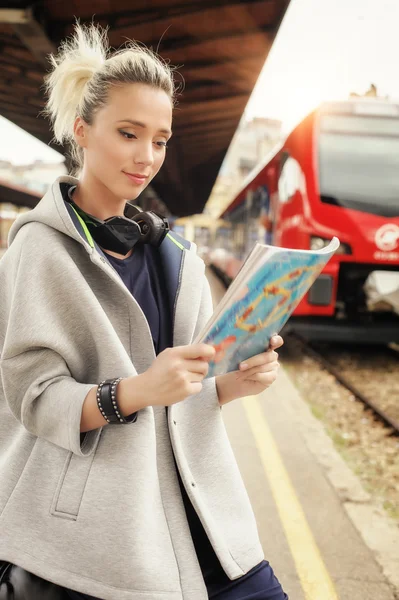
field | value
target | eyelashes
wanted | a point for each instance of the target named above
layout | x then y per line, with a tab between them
131	136
128	136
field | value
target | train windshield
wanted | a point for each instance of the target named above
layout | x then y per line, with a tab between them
359	163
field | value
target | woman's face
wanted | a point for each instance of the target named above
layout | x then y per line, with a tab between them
125	146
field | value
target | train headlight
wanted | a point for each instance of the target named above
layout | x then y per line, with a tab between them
317	243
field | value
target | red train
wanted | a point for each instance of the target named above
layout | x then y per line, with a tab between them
337	173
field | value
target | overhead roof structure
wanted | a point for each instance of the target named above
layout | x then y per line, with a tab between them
219	45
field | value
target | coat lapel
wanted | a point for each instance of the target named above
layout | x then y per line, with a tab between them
188	299
183	276
172	252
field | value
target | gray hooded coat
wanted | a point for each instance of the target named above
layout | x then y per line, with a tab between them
102	512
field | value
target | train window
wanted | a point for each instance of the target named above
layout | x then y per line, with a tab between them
249	201
202	236
359	163
239	240
223	238
254	209
291	180
284	157
252	236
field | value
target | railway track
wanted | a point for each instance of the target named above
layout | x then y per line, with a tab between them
316	353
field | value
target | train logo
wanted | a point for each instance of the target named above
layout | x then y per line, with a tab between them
387	237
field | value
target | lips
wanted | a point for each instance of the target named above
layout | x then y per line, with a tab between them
136	178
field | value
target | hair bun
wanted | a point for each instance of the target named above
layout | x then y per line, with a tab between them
78	59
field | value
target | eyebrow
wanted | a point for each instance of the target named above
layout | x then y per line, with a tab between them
143	125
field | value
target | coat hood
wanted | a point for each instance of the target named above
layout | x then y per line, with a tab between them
53	212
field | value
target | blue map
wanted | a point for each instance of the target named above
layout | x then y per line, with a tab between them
262	307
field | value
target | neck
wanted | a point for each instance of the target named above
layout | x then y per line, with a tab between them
94	198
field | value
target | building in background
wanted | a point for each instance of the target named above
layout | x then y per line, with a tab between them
253	140
14	200
36	176
205	231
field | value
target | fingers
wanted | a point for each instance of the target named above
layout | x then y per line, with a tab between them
265	379
258	360
276	341
205	351
195	377
196	366
268	367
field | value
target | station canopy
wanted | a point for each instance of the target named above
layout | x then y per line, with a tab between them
219	46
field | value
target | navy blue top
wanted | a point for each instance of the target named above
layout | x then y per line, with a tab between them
142	275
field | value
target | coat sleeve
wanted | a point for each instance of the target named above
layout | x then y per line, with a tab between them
46	399
38	339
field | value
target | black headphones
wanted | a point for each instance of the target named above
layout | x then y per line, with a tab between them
5	572
120	234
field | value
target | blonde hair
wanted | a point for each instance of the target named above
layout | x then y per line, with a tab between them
82	73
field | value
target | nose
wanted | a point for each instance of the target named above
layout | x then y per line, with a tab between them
144	154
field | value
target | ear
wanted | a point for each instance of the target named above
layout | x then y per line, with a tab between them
80	132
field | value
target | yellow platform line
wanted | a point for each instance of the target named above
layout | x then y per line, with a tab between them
312	572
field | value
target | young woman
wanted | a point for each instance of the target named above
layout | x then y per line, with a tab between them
128	489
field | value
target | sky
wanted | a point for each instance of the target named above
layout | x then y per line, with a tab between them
324	50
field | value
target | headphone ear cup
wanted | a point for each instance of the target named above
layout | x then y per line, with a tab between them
6	587
146	225
24	585
5	568
131	210
153	227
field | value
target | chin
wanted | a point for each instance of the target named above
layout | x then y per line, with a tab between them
132	194
124	192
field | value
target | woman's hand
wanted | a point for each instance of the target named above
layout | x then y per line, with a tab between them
175	374
253	377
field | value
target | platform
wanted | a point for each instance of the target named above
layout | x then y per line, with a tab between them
314	518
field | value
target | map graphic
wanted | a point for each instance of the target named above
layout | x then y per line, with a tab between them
262	306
